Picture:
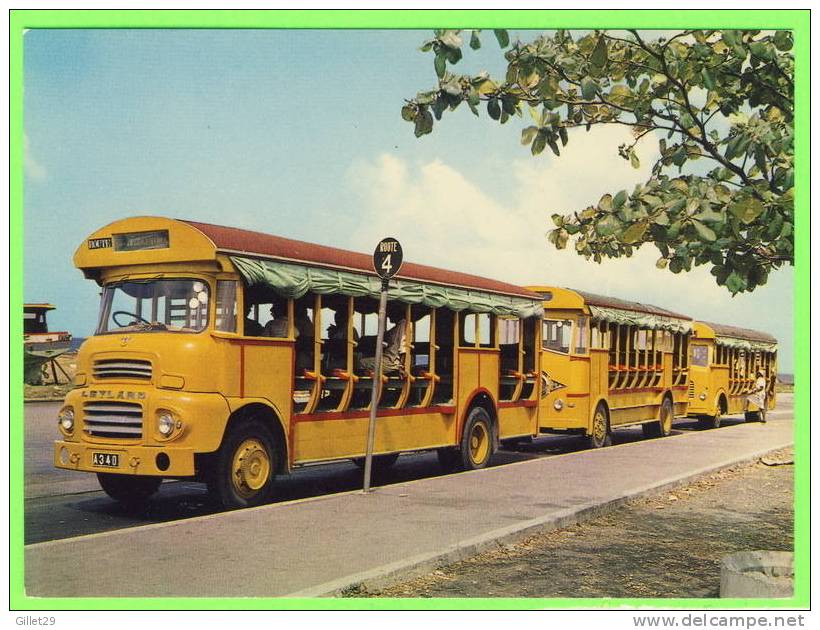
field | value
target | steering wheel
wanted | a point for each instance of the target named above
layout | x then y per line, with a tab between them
134	315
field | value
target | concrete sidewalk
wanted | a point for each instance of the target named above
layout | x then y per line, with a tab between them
320	546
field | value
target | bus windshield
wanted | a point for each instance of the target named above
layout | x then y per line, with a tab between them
173	305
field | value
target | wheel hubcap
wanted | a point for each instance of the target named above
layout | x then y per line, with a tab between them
479	443
599	428
251	467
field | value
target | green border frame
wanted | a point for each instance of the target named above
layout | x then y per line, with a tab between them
795	20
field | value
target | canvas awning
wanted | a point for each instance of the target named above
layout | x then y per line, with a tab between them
294	281
643	320
745	344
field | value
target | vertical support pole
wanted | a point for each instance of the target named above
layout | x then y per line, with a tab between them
377	378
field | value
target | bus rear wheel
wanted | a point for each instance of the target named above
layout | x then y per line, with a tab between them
130	490
477	440
245	467
600	434
662	427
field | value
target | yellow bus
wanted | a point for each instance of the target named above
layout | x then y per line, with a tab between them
724	362
610	363
231	356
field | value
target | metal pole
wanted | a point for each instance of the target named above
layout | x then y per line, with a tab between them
377	379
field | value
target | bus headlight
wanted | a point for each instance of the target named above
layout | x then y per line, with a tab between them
702	396
165	422
65	420
558	405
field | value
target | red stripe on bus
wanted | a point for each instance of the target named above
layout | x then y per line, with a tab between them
261	342
382	413
521	403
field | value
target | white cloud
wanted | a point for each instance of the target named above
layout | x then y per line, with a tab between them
33	168
444	218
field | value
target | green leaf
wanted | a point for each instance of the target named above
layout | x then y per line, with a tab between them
599	55
562	132
704	233
494	108
605	204
408	113
475	43
634	161
735	282
608	225
783	40
589	88
553	145
424	123
662	263
528	134
503	37
634	232
558	220
440	65
747	209
708	79
619	200
540	142
620	94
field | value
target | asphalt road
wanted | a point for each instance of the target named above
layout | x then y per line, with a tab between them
63	504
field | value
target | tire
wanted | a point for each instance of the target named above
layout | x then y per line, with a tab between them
132	491
477	440
245	467
662	427
601	434
380	463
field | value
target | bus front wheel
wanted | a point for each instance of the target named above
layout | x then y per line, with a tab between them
600	434
130	490
245	466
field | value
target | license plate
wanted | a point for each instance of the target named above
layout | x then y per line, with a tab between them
105	460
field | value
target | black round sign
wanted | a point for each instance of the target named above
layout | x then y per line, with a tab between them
387	258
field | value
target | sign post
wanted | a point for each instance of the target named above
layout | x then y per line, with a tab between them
387	261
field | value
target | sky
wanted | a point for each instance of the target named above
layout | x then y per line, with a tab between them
298	133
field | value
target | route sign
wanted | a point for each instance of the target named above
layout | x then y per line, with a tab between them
387	258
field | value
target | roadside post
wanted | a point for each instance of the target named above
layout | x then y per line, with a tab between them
387	261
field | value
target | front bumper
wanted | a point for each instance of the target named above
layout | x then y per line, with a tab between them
133	460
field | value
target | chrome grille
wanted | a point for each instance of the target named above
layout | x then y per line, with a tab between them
691	390
113	419
122	368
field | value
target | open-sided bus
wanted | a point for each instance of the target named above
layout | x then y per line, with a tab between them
610	363
232	356
723	364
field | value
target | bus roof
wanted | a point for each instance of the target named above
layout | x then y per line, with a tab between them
747	334
204	241
249	243
576	299
593	299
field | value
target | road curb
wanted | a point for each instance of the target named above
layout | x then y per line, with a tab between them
390	574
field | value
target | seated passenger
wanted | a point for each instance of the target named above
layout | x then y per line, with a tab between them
304	337
338	330
278	326
394	344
